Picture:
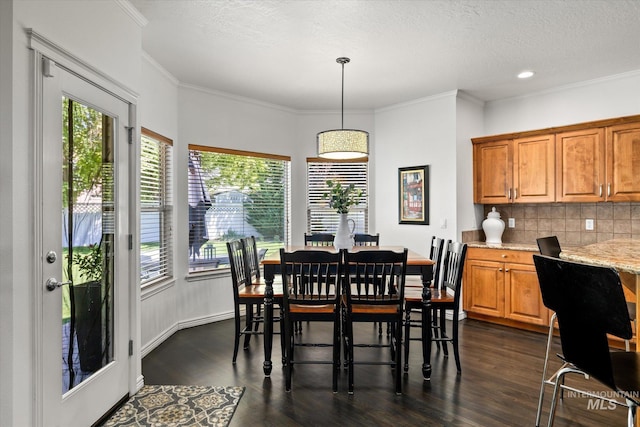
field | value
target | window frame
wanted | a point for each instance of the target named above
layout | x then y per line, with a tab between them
165	210
205	270
317	207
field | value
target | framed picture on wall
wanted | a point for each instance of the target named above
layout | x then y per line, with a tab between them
413	195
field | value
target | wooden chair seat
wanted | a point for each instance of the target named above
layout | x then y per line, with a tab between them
438	296
374	309
318	309
258	291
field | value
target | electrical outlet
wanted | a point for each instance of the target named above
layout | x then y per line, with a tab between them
512	223
588	224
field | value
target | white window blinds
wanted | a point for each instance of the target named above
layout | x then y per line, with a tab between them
235	194
320	217
156	208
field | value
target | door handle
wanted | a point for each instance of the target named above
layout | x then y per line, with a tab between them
52	284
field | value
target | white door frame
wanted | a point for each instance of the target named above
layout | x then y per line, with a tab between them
43	48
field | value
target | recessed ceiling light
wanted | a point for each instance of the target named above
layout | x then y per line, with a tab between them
525	74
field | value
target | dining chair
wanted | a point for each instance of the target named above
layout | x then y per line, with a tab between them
589	303
318	239
374	292
445	298
550	246
312	281
413	306
366	239
246	294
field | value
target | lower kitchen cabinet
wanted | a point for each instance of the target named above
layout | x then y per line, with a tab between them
501	285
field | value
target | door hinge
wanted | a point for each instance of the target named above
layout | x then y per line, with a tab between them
47	67
130	134
130	242
130	347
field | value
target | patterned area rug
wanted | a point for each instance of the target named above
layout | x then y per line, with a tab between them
177	406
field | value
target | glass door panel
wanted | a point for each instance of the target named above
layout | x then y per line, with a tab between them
88	227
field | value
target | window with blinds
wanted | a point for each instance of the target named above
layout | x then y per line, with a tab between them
235	194
320	217
156	208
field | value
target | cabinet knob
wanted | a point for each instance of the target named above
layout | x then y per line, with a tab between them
500	269
506	270
504	255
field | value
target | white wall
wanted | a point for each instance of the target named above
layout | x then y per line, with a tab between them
614	96
158	111
73	26
469	123
415	134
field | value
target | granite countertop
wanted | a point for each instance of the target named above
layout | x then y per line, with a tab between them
508	246
621	254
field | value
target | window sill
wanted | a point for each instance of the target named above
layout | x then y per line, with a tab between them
152	289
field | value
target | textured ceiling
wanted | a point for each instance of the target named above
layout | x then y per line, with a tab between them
283	52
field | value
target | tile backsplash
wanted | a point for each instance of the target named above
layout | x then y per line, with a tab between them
568	222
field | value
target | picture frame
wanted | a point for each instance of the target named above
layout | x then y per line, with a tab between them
413	195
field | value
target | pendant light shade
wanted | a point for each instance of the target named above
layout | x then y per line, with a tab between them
343	143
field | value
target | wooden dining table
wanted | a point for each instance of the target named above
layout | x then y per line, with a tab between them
417	265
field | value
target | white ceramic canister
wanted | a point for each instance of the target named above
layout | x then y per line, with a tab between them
493	227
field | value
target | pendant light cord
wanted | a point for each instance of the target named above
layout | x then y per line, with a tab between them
342	103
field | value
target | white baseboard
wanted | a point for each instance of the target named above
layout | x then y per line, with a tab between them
184	324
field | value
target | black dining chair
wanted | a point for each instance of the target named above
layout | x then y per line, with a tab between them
312	281
413	305
318	239
374	287
550	246
246	294
445	298
589	303
366	239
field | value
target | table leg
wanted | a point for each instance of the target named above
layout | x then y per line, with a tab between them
426	332
268	321
427	273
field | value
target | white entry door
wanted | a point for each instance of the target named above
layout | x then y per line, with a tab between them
84	225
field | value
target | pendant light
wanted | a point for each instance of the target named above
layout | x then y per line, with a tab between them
343	143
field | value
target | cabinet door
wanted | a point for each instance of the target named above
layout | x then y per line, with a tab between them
580	166
523	300
623	163
492	167
534	169
484	287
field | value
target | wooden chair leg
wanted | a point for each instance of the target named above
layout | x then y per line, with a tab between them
443	329
236	342
249	318
407	338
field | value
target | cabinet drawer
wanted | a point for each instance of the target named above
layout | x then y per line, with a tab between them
501	255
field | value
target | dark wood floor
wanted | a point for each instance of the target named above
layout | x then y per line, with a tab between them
499	384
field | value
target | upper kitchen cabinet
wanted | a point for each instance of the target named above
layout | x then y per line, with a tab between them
493	172
519	170
596	161
580	165
623	162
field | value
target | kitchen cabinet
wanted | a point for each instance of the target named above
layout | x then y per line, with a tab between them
519	170
501	285
596	161
580	165
623	162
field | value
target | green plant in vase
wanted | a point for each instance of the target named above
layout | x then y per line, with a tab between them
341	198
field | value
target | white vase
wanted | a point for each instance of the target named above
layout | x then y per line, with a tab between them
493	227
344	235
